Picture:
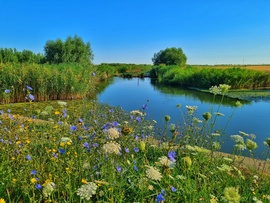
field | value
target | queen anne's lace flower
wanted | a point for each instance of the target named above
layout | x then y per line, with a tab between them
153	173
86	191
112	147
165	161
112	133
48	189
231	194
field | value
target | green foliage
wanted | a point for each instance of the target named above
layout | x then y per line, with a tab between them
64	81
238	78
107	70
14	56
170	56
73	50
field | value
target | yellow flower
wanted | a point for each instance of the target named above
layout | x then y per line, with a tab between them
62	144
84	181
14	180
57	112
33	180
2	200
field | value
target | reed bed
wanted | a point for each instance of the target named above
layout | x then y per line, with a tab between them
49	82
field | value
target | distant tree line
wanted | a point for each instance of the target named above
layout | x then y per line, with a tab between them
72	50
25	56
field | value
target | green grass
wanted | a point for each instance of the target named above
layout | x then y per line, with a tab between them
105	154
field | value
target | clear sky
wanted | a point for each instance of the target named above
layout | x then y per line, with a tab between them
131	31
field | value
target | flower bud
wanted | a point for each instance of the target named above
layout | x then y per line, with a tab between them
167	118
207	116
142	146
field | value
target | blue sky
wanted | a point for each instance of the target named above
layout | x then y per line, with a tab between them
131	31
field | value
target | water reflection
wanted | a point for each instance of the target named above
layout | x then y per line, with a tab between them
204	97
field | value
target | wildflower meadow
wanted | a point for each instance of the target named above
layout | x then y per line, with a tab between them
71	151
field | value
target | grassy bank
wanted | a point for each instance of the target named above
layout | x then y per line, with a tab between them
95	153
205	77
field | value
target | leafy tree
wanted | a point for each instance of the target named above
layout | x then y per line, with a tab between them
72	50
170	56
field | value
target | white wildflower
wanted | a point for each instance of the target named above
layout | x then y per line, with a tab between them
86	191
48	189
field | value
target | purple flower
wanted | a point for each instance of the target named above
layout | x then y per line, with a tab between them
95	145
7	91
93	74
126	150
73	128
172	156
173	189
111	110
138	119
31	97
38	186
86	145
118	168
28	157
159	198
136	149
29	88
115	123
65	113
144	106
60	123
62	151
33	172
136	168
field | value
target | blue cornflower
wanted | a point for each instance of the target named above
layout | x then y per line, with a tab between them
65	113
136	168
115	123
172	156
29	88
81	120
62	151
38	186
159	198
31	97
28	157
126	150
73	128
7	91
173	189
144	106
107	125
118	168
86	145
136	149
33	172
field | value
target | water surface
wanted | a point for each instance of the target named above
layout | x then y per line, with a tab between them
132	94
